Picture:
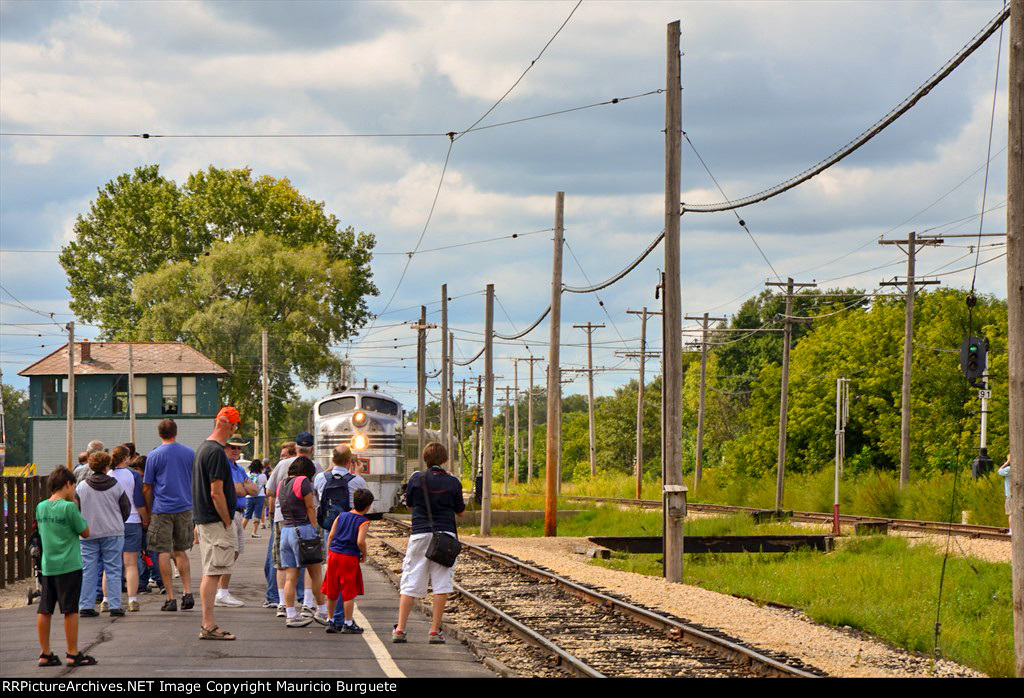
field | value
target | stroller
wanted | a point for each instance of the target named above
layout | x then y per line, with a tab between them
35	551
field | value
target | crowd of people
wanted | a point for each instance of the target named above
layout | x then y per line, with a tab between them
122	524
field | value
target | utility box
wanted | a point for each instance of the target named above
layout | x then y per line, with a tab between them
675	501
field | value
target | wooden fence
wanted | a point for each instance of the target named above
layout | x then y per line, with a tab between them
21	495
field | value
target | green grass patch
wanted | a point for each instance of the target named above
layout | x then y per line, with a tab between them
876	584
604	520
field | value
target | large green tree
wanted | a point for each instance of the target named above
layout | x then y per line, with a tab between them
221	304
16	425
215	261
142	220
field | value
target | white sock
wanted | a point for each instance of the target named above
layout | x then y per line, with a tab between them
291	612
322	608
221	593
132	598
308	599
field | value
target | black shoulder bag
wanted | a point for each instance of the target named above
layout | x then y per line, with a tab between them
443	549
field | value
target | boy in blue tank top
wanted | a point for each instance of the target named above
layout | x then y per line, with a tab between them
346	549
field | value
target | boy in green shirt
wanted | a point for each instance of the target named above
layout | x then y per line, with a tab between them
60	524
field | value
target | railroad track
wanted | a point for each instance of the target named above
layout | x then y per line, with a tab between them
604	637
968	530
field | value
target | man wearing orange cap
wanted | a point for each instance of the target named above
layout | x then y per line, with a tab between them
213	502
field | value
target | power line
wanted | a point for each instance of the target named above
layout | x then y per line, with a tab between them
867	135
523	75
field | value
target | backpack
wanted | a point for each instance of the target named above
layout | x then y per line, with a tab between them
334	500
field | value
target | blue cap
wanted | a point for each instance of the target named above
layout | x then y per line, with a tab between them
305	439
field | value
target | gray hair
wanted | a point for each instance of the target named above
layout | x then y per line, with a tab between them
95	445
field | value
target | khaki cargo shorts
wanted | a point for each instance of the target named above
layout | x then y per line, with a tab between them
217	548
171	532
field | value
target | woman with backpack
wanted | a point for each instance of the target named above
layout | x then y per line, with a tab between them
298	530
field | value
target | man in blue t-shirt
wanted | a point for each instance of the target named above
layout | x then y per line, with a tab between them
167	487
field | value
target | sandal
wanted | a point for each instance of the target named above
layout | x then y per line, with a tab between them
51	660
214	633
80	659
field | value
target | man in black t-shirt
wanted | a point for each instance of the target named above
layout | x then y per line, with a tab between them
213	504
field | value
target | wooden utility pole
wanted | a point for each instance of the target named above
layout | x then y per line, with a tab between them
529	427
515	413
265	429
505	449
445	387
462	421
589	328
784	404
554	426
131	394
643	356
421	383
1015	302
703	388
476	428
908	345
488	446
451	445
70	407
672	398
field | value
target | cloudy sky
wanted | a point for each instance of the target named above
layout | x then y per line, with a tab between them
769	88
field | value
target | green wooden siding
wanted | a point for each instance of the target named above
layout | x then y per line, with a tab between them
94	397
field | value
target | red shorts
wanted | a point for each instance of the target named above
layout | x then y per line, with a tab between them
344	577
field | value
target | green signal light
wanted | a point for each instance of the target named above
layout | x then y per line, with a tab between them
973	348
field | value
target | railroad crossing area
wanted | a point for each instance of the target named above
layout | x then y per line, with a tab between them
155	645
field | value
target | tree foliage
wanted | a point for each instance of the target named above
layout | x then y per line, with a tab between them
16	425
215	261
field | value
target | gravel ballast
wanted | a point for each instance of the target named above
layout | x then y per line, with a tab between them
837	652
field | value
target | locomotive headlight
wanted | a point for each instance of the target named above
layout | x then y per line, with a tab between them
359	419
359	442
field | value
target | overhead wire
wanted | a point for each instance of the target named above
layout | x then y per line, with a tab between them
867	135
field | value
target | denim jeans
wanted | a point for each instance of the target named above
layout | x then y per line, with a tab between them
101	555
270	572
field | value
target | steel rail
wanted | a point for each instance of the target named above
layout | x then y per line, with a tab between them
566	659
756	661
970	530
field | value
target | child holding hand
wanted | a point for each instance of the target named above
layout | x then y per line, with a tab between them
346	549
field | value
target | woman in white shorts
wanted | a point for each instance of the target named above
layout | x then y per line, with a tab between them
446	503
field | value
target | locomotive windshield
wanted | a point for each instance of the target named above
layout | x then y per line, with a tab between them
341	404
376	404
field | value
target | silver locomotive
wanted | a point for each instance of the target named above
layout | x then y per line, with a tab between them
385	449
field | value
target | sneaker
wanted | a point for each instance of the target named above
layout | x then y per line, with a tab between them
281	613
228	600
298	622
307	611
133	606
351	629
170	605
88	613
398	635
332	628
256	535
104	606
437	638
117	612
187	602
152	584
321	618
269	604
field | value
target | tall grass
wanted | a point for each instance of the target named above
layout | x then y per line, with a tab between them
879	585
877	493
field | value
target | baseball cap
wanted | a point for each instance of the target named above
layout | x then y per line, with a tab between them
230	414
305	439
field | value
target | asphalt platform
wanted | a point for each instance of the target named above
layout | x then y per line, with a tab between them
152	644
